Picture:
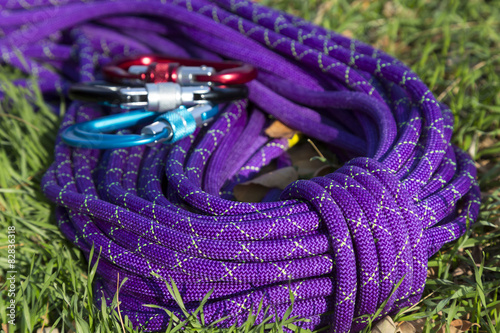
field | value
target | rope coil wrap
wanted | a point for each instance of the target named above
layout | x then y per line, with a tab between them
340	243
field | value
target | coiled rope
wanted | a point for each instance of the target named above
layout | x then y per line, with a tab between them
339	243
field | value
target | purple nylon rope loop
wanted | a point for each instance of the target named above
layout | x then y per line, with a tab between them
340	243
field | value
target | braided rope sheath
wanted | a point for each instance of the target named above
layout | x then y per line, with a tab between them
340	243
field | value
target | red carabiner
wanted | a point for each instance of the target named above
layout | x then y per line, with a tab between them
156	69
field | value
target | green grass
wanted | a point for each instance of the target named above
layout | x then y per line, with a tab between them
453	45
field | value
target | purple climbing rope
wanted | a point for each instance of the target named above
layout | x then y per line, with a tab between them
339	243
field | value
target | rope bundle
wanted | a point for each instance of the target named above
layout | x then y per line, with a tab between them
340	243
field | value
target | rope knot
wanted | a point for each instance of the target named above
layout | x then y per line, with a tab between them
374	235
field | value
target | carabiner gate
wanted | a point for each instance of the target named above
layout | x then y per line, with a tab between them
168	127
158	97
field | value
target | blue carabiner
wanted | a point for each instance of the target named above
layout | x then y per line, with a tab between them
173	126
92	134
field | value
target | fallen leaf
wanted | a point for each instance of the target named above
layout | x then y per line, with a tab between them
301	156
452	330
249	193
484	166
458	326
419	324
486	142
365	4
463	325
389	10
279	130
323	171
431	272
254	190
461	270
347	33
406	327
278	178
385	325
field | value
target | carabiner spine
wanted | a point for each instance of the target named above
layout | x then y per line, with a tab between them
156	69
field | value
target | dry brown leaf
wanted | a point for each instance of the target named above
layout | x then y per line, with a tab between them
419	324
347	33
279	130
458	326
279	178
254	190
385	325
461	270
486	142
406	327
301	155
390	9
5	328
365	5
431	272
323	171
484	166
249	193
463	325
